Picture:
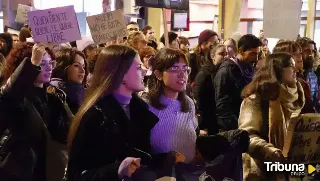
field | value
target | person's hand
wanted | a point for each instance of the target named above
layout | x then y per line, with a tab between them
38	51
277	156
128	166
175	157
203	133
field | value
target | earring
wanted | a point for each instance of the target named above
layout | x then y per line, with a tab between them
159	78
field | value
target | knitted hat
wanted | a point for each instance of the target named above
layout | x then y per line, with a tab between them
205	35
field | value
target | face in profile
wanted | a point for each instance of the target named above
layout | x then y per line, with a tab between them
251	55
133	79
139	42
76	71
220	55
289	74
47	66
15	39
175	44
184	47
297	56
150	35
175	78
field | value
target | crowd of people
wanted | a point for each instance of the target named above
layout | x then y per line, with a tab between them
130	110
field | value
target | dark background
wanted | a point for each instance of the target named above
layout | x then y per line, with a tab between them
169	4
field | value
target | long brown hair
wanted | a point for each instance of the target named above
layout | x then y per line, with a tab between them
112	64
65	57
165	59
267	80
287	46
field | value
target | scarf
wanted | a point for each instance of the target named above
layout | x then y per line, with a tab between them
288	105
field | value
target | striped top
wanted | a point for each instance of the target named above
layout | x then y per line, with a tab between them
176	130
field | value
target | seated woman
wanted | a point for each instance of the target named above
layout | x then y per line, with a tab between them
270	101
112	129
70	75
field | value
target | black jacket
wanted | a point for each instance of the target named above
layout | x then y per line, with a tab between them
195	62
228	84
74	91
203	91
105	137
35	118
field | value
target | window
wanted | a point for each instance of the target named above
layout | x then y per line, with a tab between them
45	4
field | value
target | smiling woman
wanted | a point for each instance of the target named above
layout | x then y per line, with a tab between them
70	75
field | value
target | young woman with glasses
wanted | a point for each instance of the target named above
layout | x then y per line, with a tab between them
37	120
176	129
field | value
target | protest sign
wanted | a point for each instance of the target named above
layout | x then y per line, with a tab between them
279	14
107	26
56	25
22	13
303	141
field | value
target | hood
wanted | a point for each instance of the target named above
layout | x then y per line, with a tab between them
58	83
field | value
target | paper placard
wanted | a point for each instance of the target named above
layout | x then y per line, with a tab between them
22	13
281	19
107	26
304	139
56	25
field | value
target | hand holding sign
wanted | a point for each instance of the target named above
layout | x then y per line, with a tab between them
56	25
38	51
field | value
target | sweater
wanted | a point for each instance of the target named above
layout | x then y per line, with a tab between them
176	130
124	102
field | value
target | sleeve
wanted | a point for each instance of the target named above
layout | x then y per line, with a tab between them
91	155
192	115
197	89
20	81
226	118
250	119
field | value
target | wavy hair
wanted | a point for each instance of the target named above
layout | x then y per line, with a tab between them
267	80
65	57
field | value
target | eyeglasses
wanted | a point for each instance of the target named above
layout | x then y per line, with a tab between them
178	70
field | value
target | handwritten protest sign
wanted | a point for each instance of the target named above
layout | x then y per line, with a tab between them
56	25
280	14
304	139
107	26
22	13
